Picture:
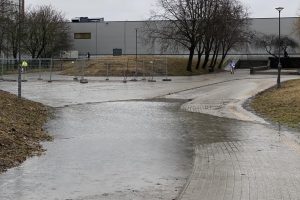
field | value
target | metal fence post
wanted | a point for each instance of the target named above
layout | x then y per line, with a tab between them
2	71
75	65
40	70
144	78
83	64
166	78
124	74
136	71
152	73
50	79
107	76
82	69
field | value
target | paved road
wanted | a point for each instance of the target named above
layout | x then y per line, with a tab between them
263	166
237	154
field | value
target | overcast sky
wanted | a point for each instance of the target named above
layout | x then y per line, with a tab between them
120	10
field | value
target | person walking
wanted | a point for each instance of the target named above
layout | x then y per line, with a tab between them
232	66
24	66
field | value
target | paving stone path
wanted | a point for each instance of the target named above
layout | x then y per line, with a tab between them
244	170
264	166
261	164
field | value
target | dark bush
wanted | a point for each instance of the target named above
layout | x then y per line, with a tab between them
289	62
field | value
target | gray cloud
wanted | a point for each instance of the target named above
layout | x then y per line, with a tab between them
266	8
140	9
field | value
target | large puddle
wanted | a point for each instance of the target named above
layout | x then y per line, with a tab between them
123	150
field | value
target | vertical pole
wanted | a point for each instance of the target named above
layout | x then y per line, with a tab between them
144	78
124	72
82	70
136	52
2	71
40	69
96	38
152	70
19	49
279	58
107	68
50	80
125	28
166	63
83	66
279	63
166	68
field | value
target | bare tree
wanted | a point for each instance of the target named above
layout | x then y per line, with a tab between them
270	43
288	44
9	21
207	26
235	27
12	32
47	32
225	27
176	25
6	8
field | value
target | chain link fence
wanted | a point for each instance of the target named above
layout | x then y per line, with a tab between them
106	68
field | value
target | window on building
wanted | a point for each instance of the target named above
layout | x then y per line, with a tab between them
82	36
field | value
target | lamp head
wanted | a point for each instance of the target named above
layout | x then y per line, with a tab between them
279	9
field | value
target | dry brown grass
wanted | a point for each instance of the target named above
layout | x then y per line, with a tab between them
280	105
21	132
118	66
177	67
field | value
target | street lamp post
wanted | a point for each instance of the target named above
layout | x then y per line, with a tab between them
19	49
279	63
136	35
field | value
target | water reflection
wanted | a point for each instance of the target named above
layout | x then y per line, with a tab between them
123	150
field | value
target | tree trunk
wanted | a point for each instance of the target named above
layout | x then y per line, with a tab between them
216	59
190	62
208	48
212	60
222	61
199	59
215	56
15	54
206	59
200	53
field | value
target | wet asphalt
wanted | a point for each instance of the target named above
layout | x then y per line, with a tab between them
119	150
112	142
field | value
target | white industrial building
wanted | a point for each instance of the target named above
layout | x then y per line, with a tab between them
100	37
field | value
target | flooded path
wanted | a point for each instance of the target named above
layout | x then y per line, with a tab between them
109	146
126	150
121	150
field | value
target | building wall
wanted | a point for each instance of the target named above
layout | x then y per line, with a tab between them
271	26
105	36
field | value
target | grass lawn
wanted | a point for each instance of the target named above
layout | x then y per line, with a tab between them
280	105
21	131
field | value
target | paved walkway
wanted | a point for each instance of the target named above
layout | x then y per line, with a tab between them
262	163
250	169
